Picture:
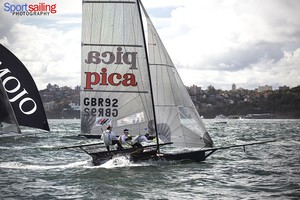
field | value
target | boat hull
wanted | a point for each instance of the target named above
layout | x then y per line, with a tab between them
139	155
197	156
90	136
100	158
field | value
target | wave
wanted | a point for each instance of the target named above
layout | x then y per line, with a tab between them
19	165
119	161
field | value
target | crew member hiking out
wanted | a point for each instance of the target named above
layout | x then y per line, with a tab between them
137	140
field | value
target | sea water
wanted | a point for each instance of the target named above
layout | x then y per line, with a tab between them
33	167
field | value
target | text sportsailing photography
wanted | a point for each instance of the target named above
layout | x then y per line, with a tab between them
28	9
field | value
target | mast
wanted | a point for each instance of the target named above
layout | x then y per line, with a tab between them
148	67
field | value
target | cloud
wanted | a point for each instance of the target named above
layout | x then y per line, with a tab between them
154	4
284	71
209	32
49	54
222	38
6	24
212	42
49	46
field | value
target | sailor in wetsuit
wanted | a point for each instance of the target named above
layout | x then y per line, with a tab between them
125	137
137	140
110	138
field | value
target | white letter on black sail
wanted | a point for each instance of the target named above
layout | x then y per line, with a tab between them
30	111
3	71
18	96
12	90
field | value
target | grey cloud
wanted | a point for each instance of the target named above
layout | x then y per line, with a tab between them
237	59
7	22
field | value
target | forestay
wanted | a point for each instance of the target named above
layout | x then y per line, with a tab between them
177	118
115	76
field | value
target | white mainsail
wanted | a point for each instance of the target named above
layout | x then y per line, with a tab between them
115	73
116	84
177	118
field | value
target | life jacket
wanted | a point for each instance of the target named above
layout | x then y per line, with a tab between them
126	138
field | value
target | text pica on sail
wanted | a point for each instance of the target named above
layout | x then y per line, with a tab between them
110	59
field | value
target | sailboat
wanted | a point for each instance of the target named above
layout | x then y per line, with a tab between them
130	84
20	102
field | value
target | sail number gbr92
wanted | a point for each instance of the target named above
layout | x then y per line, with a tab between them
100	107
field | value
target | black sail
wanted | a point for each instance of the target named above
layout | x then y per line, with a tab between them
21	91
6	113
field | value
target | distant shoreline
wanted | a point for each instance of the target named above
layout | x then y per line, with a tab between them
75	114
66	114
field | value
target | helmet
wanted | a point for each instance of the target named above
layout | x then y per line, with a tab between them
126	131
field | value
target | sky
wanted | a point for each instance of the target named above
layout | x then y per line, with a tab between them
212	42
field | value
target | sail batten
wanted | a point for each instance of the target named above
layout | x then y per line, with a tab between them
114	45
99	1
117	91
161	64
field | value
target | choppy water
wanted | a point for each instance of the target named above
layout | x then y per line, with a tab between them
31	167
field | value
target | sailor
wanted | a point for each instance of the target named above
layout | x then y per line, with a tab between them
110	138
125	137
137	140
